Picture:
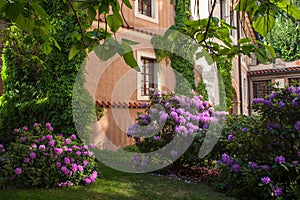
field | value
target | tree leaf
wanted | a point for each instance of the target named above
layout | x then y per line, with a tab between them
25	23
39	10
271	50
130	60
244	40
114	21
264	24
127	3
76	48
91	14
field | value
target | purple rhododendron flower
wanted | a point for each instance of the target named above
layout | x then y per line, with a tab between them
42	147
244	129
3	150
78	153
144	105
26	160
235	168
265	180
280	159
25	128
64	169
227	159
1	146
74	167
58	164
58	151
265	167
92	145
73	136
32	155
51	143
294	101
67	141
35	124
87	180
18	171
16	130
85	162
297	126
156	137
253	165
22	139
80	168
67	160
49	137
291	89
230	137
273	95
281	104
277	191
48	124
33	146
273	125
50	128
219	162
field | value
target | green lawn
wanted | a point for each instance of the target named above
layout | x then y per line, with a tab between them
115	185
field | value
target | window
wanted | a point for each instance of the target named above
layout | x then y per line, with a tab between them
148	76
294	81
261	88
146	9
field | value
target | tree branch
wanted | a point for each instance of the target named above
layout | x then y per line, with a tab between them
78	21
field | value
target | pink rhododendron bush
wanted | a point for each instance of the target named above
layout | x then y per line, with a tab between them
41	158
176	125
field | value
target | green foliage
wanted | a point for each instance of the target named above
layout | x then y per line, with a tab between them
40	158
261	146
39	87
285	39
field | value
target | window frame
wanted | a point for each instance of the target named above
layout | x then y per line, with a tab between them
150	56
266	91
154	11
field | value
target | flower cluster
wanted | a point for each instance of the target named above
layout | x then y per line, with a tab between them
41	158
266	148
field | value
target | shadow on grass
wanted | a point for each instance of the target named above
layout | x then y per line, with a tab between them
116	185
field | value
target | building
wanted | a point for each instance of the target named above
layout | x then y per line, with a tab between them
121	90
261	76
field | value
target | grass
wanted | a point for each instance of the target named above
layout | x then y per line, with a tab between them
116	185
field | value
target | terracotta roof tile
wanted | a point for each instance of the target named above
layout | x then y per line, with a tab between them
119	104
274	71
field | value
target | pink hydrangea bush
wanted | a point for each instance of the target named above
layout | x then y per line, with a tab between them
41	158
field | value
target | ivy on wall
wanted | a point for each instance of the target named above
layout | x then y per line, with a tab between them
39	87
183	60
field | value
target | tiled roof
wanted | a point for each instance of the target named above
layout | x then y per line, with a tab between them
274	71
119	104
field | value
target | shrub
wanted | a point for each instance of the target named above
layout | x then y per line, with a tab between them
168	117
261	153
41	158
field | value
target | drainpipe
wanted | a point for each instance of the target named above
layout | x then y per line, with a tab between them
249	93
239	63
